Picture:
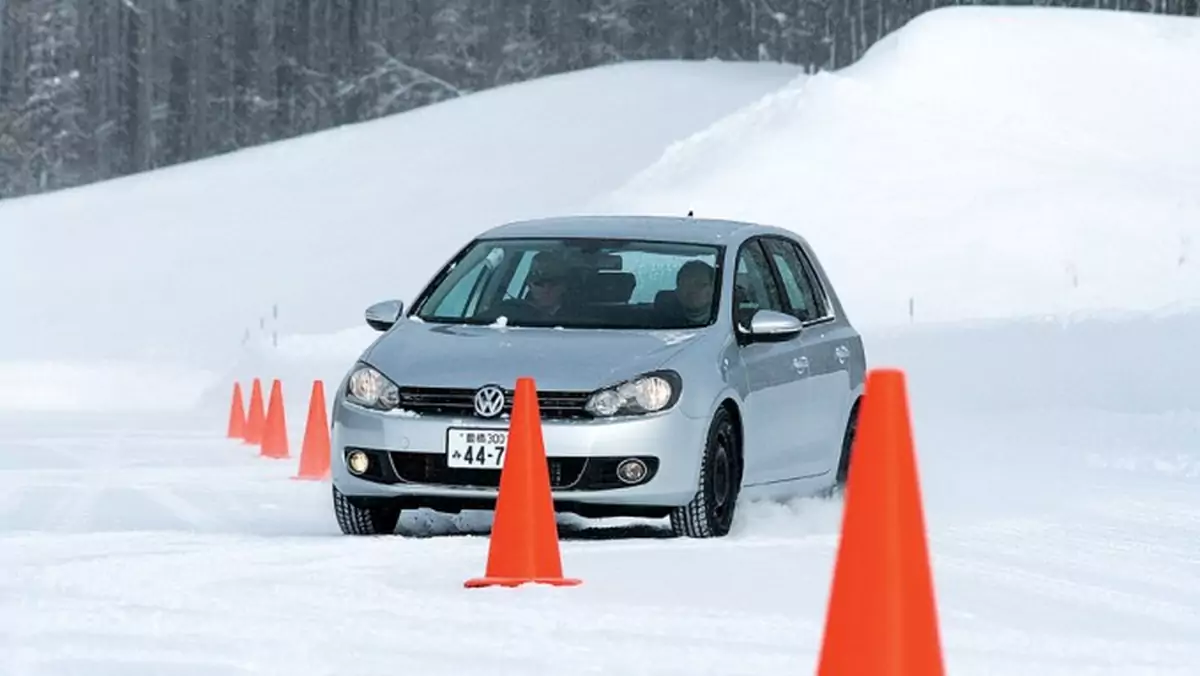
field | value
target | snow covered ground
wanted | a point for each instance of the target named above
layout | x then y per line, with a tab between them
994	165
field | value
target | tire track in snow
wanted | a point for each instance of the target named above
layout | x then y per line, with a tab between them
84	484
223	594
1105	551
1045	586
1170	515
1017	555
182	509
1003	650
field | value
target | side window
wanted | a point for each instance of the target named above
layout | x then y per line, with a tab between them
754	287
814	283
796	280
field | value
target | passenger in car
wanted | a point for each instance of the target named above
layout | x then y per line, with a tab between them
691	301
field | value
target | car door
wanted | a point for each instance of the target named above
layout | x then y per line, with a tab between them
825	348
778	389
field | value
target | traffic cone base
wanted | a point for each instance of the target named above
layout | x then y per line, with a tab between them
478	582
523	546
882	614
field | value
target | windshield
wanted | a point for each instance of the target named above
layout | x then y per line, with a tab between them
577	283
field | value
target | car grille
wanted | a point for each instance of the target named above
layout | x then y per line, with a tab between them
429	468
460	402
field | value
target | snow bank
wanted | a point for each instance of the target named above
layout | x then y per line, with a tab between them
296	360
186	269
181	261
983	162
106	385
1114	364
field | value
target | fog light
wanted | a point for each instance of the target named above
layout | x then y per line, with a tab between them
358	462
631	471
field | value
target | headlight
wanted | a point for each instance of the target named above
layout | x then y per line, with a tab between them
370	388
650	393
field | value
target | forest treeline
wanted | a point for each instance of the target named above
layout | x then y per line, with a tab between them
95	89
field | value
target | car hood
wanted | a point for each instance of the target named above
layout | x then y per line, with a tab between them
418	354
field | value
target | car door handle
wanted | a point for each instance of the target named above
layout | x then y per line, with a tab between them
842	353
800	364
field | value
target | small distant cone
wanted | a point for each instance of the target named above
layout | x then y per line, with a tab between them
882	615
274	440
314	454
523	547
255	419
237	415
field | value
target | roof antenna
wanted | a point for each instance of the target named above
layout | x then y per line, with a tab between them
691	213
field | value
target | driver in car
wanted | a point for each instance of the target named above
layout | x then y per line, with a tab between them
548	284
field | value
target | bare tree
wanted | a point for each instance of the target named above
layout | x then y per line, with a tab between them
94	89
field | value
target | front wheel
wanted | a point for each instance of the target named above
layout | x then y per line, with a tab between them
377	519
710	512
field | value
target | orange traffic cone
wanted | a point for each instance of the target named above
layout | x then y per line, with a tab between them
882	615
314	454
523	546
237	415
274	440
254	418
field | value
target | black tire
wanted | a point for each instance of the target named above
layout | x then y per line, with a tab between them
710	513
843	470
377	519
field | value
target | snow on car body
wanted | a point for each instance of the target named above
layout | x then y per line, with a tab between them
690	361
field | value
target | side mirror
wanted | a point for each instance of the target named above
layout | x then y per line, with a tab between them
772	325
382	316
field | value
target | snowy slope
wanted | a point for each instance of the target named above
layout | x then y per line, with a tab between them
984	163
1059	458
174	266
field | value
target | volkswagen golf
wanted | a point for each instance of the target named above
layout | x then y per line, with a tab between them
680	364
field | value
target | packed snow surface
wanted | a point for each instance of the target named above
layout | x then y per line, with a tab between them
1027	176
981	163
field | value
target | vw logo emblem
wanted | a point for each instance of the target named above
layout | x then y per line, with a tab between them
489	401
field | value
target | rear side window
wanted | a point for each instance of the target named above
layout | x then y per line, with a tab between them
798	280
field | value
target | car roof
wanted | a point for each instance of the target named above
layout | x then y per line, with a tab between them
633	226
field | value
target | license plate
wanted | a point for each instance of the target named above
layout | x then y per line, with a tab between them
476	449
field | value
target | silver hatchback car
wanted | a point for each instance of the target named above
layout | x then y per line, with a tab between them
680	363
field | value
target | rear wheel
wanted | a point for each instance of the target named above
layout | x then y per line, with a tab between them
710	512
364	519
843	470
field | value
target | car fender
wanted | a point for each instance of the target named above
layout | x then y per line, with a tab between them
712	372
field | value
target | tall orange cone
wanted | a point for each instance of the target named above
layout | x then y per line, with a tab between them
274	440
237	415
882	615
255	418
314	454
523	546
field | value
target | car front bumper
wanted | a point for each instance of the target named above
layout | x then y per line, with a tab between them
408	461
